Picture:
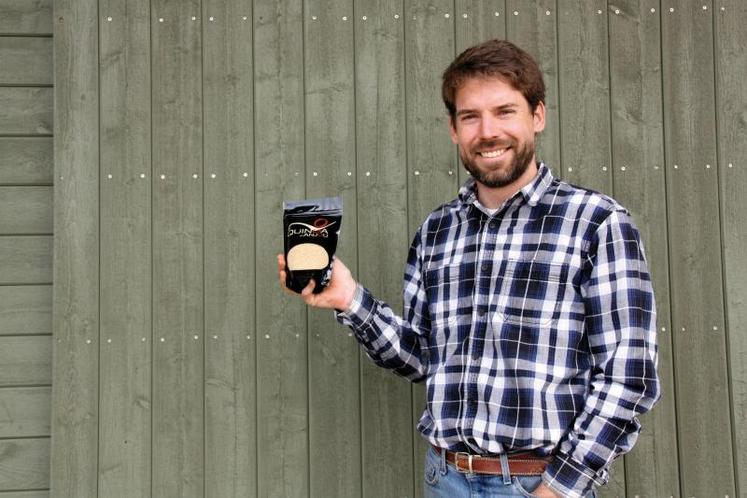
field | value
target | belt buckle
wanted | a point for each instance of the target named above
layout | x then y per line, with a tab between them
469	457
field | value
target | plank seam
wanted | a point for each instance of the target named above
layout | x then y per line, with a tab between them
25	438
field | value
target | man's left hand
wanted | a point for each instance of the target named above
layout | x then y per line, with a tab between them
544	491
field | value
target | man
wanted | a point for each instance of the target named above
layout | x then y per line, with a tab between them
528	307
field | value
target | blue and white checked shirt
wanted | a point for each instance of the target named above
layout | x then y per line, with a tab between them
534	328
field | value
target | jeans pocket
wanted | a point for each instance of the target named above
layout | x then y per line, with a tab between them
524	484
431	473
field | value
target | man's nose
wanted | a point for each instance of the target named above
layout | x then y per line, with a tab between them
489	127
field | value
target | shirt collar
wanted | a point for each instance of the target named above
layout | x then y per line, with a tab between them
531	192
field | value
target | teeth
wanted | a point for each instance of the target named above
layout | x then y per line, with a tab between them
492	153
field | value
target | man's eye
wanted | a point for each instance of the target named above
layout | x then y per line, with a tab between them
468	117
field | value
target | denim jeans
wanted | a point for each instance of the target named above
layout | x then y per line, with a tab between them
442	480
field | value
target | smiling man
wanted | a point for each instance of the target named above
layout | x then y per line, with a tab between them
528	307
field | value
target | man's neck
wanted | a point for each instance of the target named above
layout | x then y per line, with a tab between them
493	198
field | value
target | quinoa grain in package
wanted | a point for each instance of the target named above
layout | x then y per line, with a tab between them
311	230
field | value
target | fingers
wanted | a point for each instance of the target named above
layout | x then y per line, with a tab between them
282	274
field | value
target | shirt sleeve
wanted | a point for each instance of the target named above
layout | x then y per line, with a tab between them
397	343
620	324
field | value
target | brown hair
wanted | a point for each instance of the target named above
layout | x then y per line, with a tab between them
497	58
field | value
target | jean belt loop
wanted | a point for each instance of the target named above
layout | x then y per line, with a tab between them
505	471
444	469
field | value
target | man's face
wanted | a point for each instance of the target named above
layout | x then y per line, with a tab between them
494	130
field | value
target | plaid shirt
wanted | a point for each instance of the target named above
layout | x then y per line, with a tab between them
534	328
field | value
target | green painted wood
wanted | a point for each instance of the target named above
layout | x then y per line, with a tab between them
230	365
25	411
178	281
26	17
25	160
25	360
27	60
24	494
76	249
535	31
638	158
334	377
432	177
386	403
705	444
25	464
583	83
25	111
25	309
731	113
26	210
125	358
25	259
282	362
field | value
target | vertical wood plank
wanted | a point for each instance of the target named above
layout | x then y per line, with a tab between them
281	337
386	402
731	113
535	30
125	358
639	184
704	427
76	250
230	428
584	94
432	174
178	314
334	377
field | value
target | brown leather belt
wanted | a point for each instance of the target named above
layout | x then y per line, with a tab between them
519	464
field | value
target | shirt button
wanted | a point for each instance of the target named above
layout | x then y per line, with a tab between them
485	267
492	225
481	312
475	356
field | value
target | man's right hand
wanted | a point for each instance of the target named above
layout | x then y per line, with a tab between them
337	295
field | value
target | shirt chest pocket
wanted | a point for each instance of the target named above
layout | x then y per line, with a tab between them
531	292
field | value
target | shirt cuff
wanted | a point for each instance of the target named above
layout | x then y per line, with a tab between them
571	479
359	311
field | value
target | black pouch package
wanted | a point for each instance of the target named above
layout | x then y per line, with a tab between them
311	230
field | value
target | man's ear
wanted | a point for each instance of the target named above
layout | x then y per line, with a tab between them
452	129
539	117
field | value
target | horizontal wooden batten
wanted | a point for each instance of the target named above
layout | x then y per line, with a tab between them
26	160
26	60
25	361
25	259
25	464
26	210
25	309
25	411
26	17
25	111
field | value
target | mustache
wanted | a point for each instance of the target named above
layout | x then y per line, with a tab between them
493	144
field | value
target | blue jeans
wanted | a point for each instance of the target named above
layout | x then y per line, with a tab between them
442	480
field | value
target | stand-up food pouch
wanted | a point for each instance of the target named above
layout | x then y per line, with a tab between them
311	230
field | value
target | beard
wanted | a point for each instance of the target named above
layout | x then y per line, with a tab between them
502	176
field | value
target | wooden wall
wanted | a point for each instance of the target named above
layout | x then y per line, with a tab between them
26	193
180	369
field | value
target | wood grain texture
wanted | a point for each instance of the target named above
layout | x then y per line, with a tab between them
25	464
386	420
638	172
706	463
26	160
25	494
26	17
230	365
178	239
25	111
25	309
125	288
76	249
731	115
281	332
26	210
25	411
334	377
535	31
25	360
25	259
584	94
26	60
